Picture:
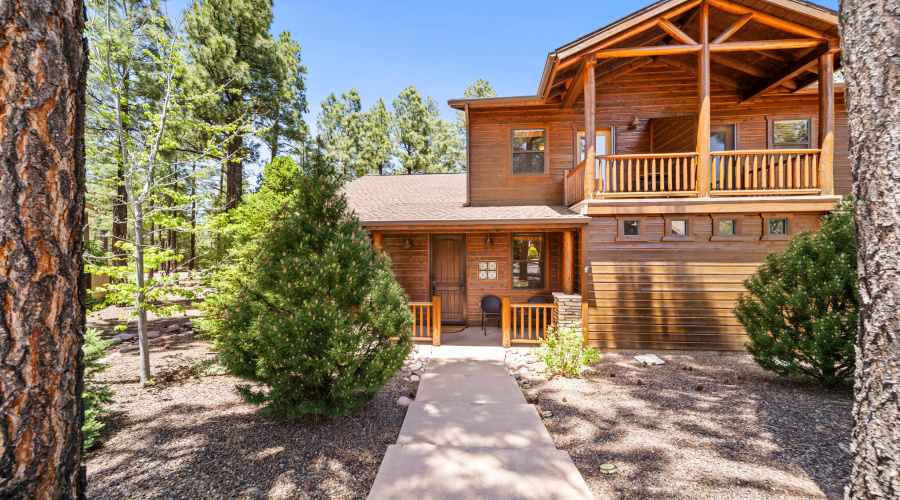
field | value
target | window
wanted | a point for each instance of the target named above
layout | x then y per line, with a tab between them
778	227
679	228
791	134
631	228
528	151
727	227
528	261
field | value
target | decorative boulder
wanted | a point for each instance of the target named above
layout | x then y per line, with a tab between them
404	401
152	334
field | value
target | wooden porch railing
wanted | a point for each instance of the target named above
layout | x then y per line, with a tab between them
426	320
526	323
646	175
574	184
765	172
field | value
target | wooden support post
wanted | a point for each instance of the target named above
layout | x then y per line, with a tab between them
826	123
377	239
436	311
568	262
703	160
504	314
590	133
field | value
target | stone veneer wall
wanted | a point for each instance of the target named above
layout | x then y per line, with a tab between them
568	310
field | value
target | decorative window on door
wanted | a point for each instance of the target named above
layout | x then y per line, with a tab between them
487	269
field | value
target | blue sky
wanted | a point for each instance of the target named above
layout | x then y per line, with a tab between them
380	47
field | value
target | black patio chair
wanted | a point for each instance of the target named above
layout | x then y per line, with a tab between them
490	309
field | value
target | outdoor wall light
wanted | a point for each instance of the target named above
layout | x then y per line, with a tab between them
489	241
635	122
408	243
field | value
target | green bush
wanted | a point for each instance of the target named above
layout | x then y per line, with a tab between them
315	317
564	351
95	395
801	307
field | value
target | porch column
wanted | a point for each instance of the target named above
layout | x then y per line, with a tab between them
703	165
568	263
590	134
826	123
377	238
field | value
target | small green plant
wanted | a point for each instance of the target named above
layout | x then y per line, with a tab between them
802	306
564	351
95	395
209	367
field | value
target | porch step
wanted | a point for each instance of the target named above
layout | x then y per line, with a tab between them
468	388
425	471
474	424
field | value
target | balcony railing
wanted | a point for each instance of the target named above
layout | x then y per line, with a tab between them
765	172
732	173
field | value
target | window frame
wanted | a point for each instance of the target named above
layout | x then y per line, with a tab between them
690	226
544	261
767	235
512	150
770	136
642	228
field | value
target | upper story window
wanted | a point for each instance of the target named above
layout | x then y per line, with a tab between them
528	261
528	151
791	134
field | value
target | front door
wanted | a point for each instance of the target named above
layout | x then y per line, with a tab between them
448	276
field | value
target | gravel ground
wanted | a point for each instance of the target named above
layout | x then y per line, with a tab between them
189	437
754	435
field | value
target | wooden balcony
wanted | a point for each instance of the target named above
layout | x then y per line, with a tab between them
731	173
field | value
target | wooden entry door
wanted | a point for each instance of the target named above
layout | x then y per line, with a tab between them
448	276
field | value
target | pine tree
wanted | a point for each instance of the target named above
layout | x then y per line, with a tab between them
802	307
377	145
424	142
340	129
317	318
256	77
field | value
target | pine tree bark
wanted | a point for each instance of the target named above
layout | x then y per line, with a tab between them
43	68
234	184
120	203
870	33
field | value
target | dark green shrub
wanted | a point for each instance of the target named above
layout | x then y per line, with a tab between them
312	316
801	309
95	395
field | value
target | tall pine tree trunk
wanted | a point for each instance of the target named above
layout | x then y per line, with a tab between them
234	184
120	203
43	68
193	254
870	32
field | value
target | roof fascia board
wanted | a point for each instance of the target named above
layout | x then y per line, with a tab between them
575	220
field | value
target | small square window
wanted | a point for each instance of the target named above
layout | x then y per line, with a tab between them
791	134
778	227
727	227
631	228
679	228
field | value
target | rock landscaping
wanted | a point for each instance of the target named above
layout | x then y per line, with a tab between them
700	426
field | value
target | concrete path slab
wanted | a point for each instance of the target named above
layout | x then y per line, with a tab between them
469	388
474	424
426	472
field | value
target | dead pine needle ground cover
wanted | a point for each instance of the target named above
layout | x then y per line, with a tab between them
700	426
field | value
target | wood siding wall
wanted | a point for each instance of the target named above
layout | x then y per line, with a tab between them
653	91
411	267
666	295
673	135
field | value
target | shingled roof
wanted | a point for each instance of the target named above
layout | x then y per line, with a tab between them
438	199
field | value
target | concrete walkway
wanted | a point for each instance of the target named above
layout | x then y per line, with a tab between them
471	434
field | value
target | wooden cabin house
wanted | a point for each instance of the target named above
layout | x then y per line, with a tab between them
661	159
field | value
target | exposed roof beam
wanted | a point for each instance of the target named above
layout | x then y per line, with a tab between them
648	51
576	88
769	20
739	65
724	80
549	83
626	33
787	43
667	26
734	28
806	83
789	73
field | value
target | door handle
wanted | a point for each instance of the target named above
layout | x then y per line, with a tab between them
462	286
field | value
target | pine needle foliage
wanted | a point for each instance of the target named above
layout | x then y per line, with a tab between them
801	307
311	319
